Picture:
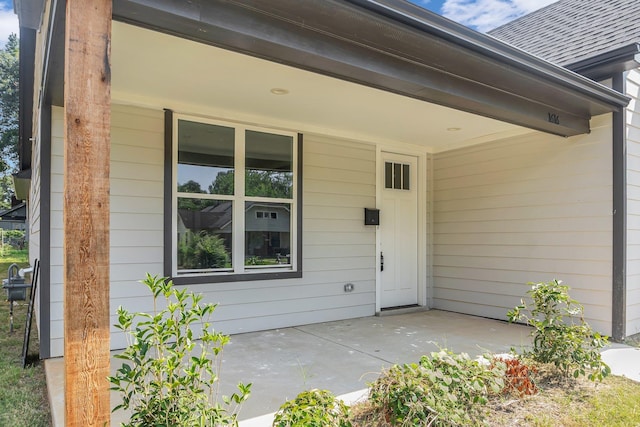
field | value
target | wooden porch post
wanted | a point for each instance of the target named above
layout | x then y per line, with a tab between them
87	120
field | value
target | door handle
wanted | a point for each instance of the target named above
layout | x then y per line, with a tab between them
381	262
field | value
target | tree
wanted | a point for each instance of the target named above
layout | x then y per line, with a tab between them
9	105
6	191
259	183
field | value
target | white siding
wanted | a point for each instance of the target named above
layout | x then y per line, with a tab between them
136	210
633	203
339	180
33	203
33	214
56	279
530	208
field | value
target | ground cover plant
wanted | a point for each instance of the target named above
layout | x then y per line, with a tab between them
23	395
170	374
560	381
313	408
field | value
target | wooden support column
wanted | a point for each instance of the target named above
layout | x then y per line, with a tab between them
87	121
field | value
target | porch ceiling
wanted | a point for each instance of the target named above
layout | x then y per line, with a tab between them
162	71
391	45
387	45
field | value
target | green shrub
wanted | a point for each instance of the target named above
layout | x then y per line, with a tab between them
561	336
442	390
202	250
313	408
169	377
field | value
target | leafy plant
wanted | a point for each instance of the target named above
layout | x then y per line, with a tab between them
561	336
170	377
202	250
442	390
313	408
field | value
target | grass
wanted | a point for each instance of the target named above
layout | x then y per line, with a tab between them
574	403
560	403
23	399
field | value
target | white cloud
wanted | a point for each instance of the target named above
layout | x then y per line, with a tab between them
8	23
485	15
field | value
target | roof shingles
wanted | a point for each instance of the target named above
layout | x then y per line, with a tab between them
569	31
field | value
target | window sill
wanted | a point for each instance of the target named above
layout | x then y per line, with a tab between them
244	277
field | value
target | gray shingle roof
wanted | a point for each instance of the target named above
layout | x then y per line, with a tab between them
572	30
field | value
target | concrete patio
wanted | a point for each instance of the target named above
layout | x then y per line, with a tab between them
340	356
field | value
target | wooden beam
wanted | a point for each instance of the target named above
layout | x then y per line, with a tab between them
87	121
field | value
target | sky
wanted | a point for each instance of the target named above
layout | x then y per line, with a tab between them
8	21
481	15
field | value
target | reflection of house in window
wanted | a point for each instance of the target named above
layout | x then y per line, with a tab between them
267	232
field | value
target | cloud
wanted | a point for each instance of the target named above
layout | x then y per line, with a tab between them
8	23
485	15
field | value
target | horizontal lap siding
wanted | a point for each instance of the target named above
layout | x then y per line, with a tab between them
338	181
633	203
137	157
34	201
531	208
56	266
33	216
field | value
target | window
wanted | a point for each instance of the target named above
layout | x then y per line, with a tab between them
234	205
396	176
266	215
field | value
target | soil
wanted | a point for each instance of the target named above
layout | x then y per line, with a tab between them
547	407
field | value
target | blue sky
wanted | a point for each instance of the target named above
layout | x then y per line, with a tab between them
481	15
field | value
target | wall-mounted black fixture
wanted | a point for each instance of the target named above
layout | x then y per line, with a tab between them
371	216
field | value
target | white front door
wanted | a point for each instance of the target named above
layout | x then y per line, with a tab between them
399	231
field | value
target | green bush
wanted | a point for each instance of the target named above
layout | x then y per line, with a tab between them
313	408
561	336
442	390
202	250
169	377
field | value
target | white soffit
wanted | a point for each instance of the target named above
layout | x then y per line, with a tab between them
162	71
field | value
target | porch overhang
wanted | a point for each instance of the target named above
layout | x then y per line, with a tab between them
390	45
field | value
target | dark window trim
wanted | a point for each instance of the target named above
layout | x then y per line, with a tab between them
619	263
44	314
168	194
168	223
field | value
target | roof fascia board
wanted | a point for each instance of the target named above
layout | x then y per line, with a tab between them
53	75
237	28
29	12
609	63
488	46
252	28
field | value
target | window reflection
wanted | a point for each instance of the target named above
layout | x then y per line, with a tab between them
267	234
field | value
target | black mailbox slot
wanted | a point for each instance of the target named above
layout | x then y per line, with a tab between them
371	216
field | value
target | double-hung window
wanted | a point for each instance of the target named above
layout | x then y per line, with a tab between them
234	202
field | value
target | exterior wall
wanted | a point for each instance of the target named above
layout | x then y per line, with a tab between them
530	208
338	179
55	254
33	204
633	203
33	215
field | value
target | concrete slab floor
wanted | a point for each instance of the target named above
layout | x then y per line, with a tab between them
340	356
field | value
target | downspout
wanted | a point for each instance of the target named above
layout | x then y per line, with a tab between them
619	290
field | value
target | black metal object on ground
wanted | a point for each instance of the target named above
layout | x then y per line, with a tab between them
27	327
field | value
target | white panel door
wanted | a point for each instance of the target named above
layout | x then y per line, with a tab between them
399	231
